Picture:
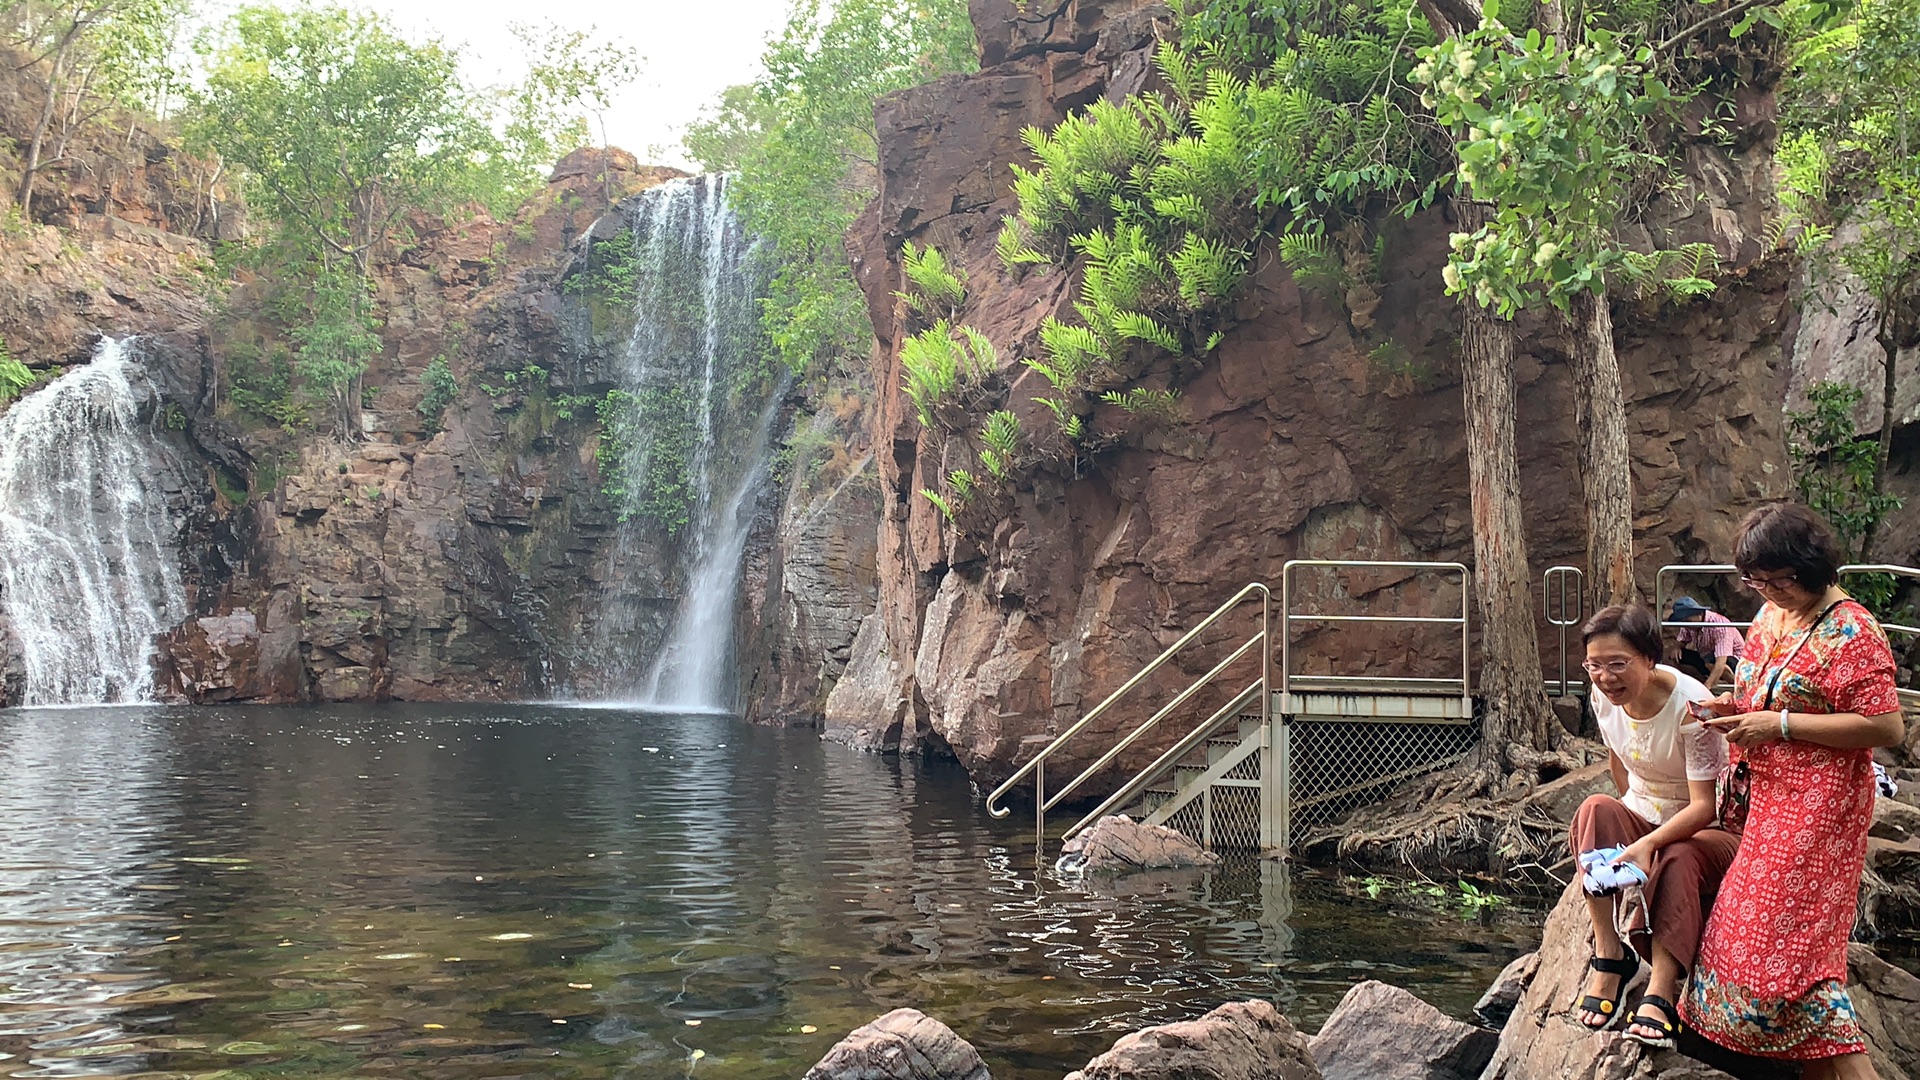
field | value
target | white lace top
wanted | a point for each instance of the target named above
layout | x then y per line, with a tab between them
1664	751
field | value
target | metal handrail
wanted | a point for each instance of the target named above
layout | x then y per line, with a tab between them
1561	575
1288	617
1194	738
1036	766
1910	698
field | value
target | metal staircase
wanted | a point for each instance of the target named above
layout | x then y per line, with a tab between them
1277	756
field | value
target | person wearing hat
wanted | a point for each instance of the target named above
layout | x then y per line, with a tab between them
1713	646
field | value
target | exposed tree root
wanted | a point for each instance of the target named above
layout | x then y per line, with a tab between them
1479	816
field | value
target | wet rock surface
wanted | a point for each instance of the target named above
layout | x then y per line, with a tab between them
905	1044
1117	844
1381	1032
1241	1040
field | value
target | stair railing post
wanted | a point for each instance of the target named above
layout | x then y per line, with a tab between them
1273	768
1040	812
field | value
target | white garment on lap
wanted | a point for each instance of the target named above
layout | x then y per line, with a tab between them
1664	751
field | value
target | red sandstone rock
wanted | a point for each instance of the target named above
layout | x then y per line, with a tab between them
1241	1040
1381	1032
1117	844
905	1044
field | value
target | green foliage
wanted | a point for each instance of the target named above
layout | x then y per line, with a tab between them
944	504
938	290
942	361
1834	469
261	381
1852	151
1001	435
1550	139
441	391
610	273
1156	407
571	75
1280	120
15	377
802	143
646	452
341	126
332	346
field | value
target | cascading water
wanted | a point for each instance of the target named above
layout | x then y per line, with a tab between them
89	565
698	416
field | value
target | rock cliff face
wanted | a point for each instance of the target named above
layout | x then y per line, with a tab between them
1295	444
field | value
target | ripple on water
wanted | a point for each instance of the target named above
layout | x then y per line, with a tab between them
306	892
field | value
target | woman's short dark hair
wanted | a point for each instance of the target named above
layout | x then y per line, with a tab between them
1788	536
1633	624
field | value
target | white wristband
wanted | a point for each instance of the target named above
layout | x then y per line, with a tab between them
1784	734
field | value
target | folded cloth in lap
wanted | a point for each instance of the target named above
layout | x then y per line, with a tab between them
1602	873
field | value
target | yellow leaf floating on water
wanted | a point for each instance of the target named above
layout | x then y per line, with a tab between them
698	1054
808	1029
693	1023
580	986
514	936
434	1027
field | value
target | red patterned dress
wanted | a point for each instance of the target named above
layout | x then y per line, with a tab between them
1771	975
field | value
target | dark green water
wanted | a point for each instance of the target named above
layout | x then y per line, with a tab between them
488	891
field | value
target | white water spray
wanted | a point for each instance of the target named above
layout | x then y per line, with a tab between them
89	565
696	326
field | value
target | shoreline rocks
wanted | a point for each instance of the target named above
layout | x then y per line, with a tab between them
1117	844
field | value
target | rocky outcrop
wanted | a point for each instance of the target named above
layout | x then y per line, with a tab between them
1503	994
1117	844
13	667
1241	1040
1541	1037
905	1044
1381	1032
1294	444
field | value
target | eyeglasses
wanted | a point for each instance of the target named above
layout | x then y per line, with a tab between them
1611	667
1759	583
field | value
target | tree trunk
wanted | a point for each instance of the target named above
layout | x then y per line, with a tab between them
1889	353
1516	711
31	167
1606	471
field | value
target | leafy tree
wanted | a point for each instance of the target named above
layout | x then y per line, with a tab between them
1853	173
802	141
342	126
1834	470
15	377
343	131
88	55
571	75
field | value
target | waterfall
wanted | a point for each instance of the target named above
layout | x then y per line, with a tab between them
697	415
89	570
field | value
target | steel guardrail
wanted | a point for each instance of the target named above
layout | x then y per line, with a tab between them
1288	617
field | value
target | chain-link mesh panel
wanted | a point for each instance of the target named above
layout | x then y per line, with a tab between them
1339	766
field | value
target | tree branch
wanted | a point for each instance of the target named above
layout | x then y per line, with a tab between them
1708	23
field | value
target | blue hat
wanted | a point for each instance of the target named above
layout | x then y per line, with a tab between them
1686	607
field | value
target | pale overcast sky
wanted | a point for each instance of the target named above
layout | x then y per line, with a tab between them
690	49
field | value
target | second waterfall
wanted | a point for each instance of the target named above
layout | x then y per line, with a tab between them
685	447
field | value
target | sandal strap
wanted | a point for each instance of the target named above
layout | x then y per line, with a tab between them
1670	1026
1625	965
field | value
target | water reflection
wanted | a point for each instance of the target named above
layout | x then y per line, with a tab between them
457	892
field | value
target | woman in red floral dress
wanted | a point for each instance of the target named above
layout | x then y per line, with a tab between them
1813	694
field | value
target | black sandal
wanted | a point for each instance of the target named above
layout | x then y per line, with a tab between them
1633	975
1669	1029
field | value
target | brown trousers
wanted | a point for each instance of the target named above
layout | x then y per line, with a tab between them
1682	882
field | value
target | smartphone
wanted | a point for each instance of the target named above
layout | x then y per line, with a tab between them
1702	711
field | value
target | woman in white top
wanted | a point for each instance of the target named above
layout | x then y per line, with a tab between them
1664	762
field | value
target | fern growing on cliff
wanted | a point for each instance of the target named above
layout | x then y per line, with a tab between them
941	361
938	289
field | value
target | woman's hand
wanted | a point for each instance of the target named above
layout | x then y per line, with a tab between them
1749	729
1640	854
1721	705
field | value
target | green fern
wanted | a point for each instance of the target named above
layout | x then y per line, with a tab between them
938	289
1159	407
1002	432
1315	266
946	506
935	364
1012	247
963	483
1207	271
